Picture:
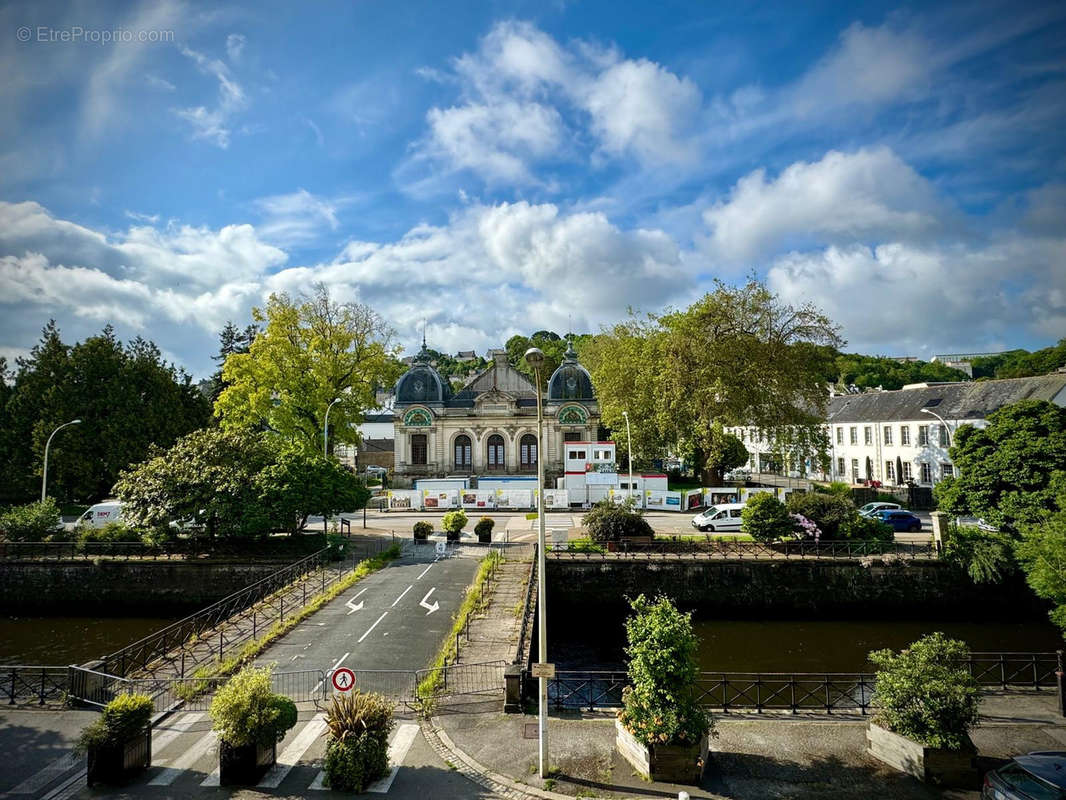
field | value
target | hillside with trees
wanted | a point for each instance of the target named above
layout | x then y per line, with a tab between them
1021	363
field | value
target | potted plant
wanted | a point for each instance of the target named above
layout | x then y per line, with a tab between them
422	531
119	743
662	730
927	703
483	529
250	720
453	523
357	746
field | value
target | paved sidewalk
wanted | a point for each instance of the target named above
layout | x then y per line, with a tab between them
493	635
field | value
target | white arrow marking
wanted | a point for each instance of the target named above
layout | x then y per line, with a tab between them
352	605
424	604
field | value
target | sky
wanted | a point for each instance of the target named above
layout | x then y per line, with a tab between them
486	169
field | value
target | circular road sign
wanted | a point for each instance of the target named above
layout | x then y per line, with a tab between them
343	679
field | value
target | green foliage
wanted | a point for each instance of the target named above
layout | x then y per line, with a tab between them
1021	363
302	483
484	527
111	532
869	372
551	344
122	719
246	711
659	704
925	693
725	452
608	521
127	397
31	522
422	529
309	352
454	521
231	339
766	519
455	371
834	514
737	355
868	529
985	555
1008	470
1042	554
356	712
354	763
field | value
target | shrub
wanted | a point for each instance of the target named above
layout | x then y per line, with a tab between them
483	529
613	522
985	555
869	529
830	512
925	693
422	530
31	522
246	711
111	532
357	751
659	705
453	523
122	719
766	519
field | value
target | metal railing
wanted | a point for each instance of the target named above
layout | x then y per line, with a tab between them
728	548
128	551
22	684
1035	670
526	629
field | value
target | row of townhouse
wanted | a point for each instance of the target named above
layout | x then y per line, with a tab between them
902	436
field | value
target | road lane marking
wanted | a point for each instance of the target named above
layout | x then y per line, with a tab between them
170	774
398	599
41	779
293	753
339	662
372	627
424	604
427	569
352	605
398	747
177	729
70	787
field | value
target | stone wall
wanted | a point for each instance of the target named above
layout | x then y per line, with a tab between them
800	588
145	588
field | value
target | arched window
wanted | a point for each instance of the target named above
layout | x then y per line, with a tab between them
495	452
527	451
418	449
462	452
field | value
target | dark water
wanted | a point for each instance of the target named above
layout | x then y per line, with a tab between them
69	640
792	645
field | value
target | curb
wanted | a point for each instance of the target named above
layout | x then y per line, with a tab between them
499	785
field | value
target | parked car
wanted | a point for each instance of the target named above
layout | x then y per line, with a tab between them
739	474
1037	776
97	516
899	520
870	509
725	517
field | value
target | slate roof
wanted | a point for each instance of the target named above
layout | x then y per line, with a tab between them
970	400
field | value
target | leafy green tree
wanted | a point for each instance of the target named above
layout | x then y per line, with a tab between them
1021	363
766	519
832	513
1042	555
926	693
310	352
608	521
1007	469
30	523
659	705
871	372
231	340
985	555
208	478
726	452
738	356
299	484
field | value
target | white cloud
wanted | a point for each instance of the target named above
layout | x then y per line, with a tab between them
235	43
159	83
213	124
866	195
296	218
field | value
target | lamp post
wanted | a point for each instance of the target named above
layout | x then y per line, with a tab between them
535	358
325	429
48	444
946	428
629	449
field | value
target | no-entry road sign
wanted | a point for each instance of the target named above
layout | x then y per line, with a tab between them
343	679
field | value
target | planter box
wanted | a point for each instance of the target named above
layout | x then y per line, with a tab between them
243	766
950	768
120	762
663	762
485	538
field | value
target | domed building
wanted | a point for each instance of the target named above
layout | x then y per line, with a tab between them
489	426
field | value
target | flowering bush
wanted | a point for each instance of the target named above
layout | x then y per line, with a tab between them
805	528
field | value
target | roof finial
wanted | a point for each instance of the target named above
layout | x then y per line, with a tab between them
424	334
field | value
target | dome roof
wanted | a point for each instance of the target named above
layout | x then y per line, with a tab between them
422	383
570	381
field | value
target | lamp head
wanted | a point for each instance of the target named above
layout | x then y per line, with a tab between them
535	357
75	422
625	414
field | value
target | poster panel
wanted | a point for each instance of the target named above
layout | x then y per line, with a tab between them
746	492
624	495
720	495
478	498
404	500
556	498
440	499
514	498
662	501
692	499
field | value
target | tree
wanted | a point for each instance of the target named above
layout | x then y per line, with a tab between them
310	352
551	344
766	519
1042	554
738	356
231	340
726	453
299	484
832	513
1007	469
871	372
1021	363
608	521
30	523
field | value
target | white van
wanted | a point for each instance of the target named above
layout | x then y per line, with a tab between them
724	517
102	513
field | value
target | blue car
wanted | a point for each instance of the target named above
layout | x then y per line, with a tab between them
900	520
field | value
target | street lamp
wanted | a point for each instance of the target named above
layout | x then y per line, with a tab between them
946	428
325	429
629	448
535	358
44	477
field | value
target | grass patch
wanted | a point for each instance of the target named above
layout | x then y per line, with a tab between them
476	601
531	515
585	545
201	678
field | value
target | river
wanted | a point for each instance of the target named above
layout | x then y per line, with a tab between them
822	645
69	640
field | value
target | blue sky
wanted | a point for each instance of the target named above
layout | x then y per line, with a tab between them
497	168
